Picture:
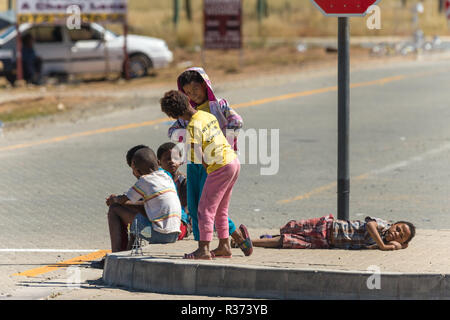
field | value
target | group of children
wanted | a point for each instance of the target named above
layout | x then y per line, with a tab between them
200	201
165	206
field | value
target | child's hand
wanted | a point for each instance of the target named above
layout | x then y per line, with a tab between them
399	245
110	200
392	245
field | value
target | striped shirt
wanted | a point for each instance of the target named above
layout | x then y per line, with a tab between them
354	235
161	201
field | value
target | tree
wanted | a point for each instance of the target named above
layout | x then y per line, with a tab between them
176	12
262	9
188	7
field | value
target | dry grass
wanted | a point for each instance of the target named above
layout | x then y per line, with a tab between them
44	106
288	19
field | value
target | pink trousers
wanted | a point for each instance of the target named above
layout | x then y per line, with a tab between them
215	200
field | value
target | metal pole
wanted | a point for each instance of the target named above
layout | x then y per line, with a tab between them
19	45
125	51
106	51
343	183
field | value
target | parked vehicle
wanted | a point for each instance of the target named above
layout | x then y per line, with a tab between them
91	49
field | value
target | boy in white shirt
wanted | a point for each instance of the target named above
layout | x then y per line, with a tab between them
161	203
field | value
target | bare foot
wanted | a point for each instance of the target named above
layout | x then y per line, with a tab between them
198	254
223	250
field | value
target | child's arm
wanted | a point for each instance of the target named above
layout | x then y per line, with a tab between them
235	121
176	133
373	232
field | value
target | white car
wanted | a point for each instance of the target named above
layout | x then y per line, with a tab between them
91	49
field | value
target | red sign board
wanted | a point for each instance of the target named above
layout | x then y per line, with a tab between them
447	9
344	8
222	23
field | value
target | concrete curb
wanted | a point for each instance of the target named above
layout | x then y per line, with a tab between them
206	278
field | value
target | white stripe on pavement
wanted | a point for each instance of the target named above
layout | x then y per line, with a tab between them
49	250
412	160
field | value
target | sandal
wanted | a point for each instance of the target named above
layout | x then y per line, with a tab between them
246	246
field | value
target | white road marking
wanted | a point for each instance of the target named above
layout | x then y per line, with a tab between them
388	168
49	250
412	160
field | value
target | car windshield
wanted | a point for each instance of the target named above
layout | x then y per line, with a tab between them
7	32
111	33
101	29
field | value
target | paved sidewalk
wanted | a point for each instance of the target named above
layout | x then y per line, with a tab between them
421	271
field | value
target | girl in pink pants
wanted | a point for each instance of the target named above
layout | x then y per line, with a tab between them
208	146
215	200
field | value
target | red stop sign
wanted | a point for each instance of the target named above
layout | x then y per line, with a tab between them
344	8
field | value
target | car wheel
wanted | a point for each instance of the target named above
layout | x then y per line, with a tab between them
139	66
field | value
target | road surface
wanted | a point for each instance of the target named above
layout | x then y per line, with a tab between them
54	178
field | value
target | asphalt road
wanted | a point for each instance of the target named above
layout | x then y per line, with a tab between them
54	180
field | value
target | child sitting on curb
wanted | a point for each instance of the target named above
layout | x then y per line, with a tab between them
161	203
328	232
169	159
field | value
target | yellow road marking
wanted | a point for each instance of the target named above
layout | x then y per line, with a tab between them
236	106
38	271
86	133
284	97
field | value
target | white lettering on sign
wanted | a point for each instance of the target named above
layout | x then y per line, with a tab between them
61	6
222	7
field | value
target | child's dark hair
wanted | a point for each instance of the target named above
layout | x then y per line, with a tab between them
164	148
145	161
411	227
132	151
189	76
174	104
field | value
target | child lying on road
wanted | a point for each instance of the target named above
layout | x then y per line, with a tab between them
328	232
